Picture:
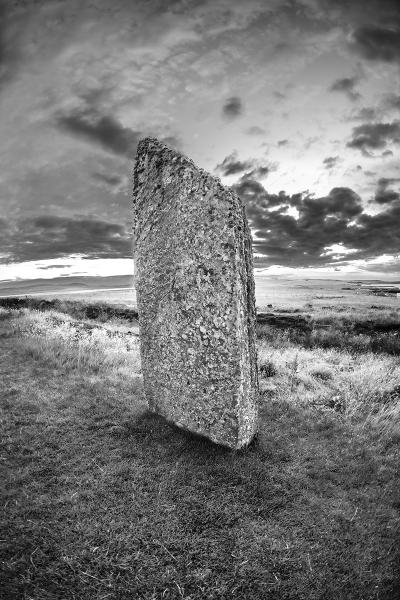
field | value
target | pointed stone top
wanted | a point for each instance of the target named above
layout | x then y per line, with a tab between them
153	146
150	143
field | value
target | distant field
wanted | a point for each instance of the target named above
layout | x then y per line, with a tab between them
319	293
281	292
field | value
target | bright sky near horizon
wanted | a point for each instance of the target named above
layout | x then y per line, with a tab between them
295	103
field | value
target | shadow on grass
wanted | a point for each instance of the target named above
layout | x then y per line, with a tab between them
152	427
131	506
190	462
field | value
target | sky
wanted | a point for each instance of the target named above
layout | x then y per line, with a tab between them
296	104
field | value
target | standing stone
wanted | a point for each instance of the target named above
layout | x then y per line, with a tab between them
195	293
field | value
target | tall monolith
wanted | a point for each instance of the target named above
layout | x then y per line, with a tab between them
195	294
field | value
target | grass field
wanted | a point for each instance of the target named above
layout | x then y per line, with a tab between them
104	500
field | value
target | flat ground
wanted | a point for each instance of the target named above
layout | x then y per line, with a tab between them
278	291
104	500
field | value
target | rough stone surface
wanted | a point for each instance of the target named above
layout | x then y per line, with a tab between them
195	293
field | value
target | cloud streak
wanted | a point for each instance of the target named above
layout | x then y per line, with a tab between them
103	130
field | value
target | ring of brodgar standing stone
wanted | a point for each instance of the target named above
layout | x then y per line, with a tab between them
195	294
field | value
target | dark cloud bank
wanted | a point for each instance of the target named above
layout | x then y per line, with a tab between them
337	218
50	236
385	195
377	43
284	239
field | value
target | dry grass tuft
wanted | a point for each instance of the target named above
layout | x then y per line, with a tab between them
69	343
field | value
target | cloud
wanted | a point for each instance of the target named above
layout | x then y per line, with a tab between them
310	141
172	141
377	43
8	49
330	161
340	203
283	143
231	165
111	180
374	136
260	171
255	130
335	219
50	236
346	86
393	101
232	108
2	33
361	11
251	168
374	235
101	129
383	195
384	267
257	199
321	223
364	114
53	266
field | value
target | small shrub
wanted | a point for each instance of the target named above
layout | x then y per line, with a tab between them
6	314
267	369
323	374
71	344
336	403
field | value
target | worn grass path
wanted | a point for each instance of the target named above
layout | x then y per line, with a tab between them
102	500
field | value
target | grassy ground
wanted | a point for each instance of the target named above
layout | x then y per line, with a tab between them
375	328
104	500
